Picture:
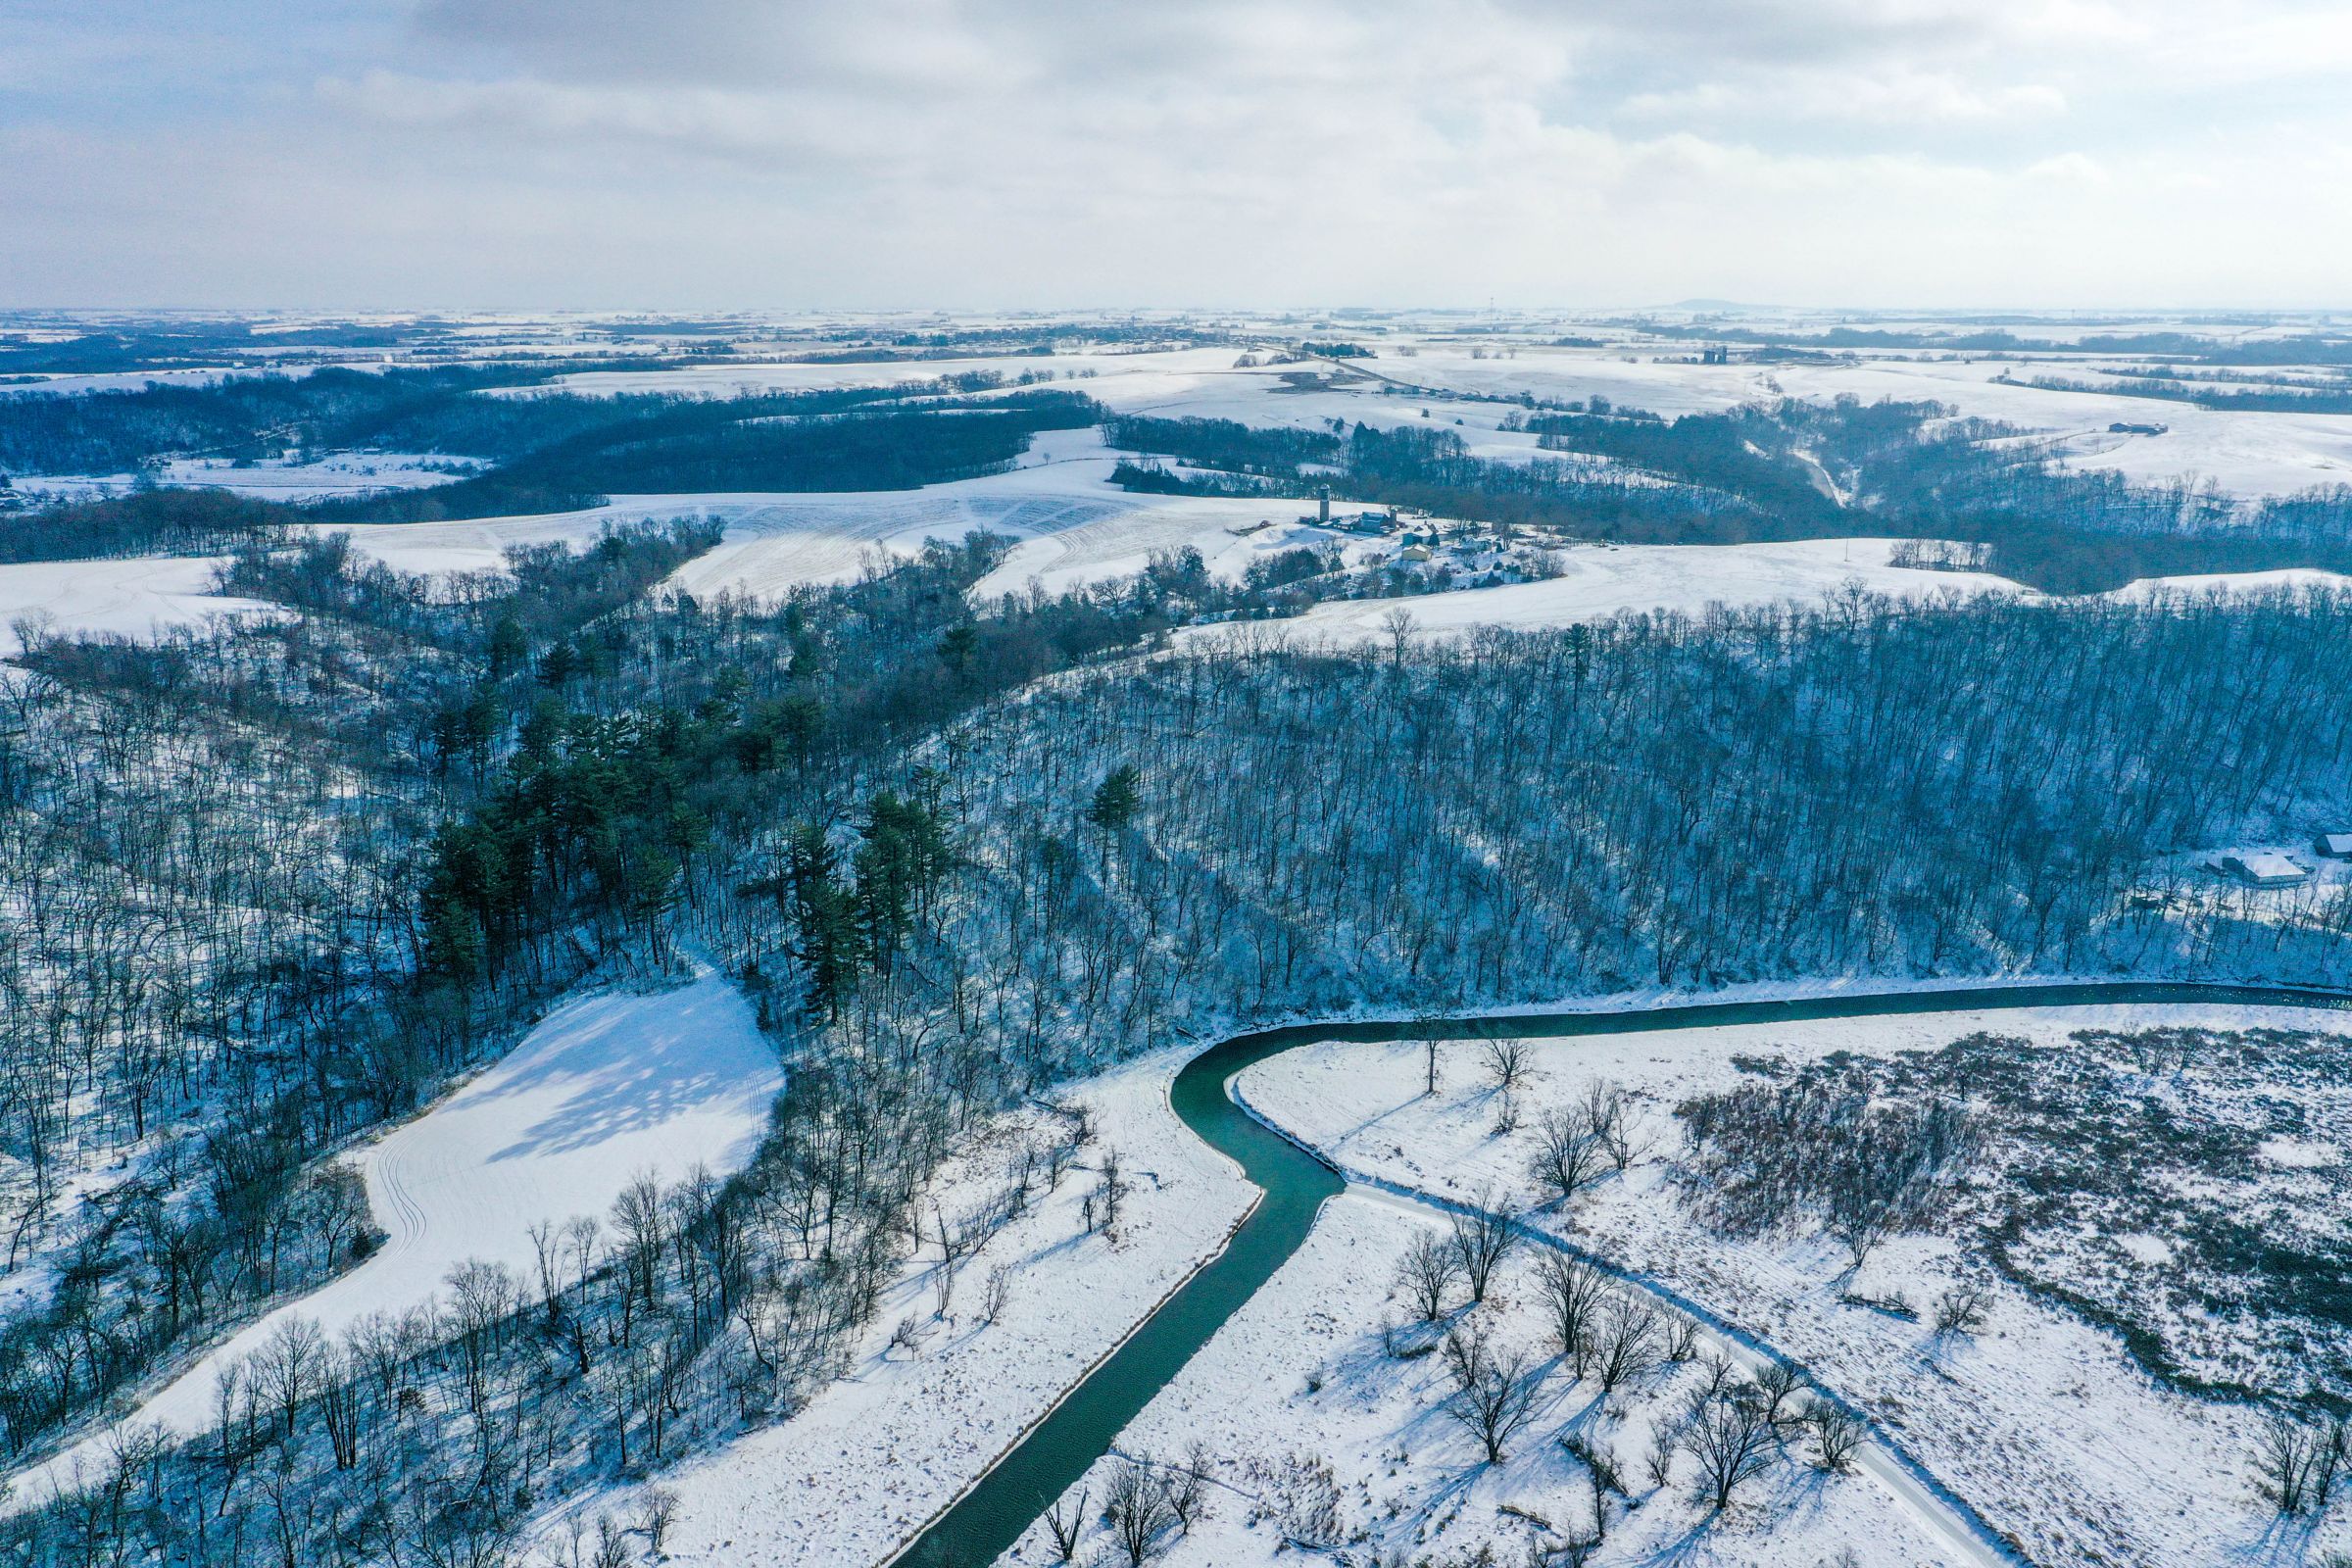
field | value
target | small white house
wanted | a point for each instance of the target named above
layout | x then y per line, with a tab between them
2262	869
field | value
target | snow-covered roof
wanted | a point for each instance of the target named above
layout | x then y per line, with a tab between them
2264	866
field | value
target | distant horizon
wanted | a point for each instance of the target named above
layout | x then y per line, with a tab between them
1985	312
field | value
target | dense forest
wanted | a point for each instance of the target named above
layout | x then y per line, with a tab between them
383	832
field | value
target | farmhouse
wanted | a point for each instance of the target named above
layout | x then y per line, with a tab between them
2261	868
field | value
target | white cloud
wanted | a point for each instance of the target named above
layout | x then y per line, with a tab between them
1897	95
716	152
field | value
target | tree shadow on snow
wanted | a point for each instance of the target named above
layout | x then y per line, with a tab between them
630	1064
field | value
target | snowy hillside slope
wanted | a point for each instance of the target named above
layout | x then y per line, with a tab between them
2246	453
130	598
606	1086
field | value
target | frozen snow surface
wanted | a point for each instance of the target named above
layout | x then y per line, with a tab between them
606	1086
130	597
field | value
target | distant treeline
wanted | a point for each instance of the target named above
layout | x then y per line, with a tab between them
2312	348
252	417
1798	470
438	411
2204	395
553	451
151	522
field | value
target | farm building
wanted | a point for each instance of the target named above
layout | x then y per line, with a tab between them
2261	868
2334	846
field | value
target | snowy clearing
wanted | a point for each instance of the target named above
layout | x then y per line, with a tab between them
130	597
2042	1422
605	1088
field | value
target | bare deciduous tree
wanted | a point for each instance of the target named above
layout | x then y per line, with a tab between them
1509	1062
1731	1442
1065	1525
656	1511
1627	1346
1575	1292
1137	1507
1778	1386
1962	1308
995	1294
1837	1434
1427	1272
1493	1393
1608	1116
1482	1238
2296	1463
1568	1158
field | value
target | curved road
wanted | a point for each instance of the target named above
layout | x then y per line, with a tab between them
992	1514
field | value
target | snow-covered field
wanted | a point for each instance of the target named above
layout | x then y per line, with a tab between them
2043	1423
1075	526
2245	454
130	597
2233	582
338	474
605	1088
1601	581
873	1456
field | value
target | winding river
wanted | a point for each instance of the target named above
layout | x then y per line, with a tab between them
995	1511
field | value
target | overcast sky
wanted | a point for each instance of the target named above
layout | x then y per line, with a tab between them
700	154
